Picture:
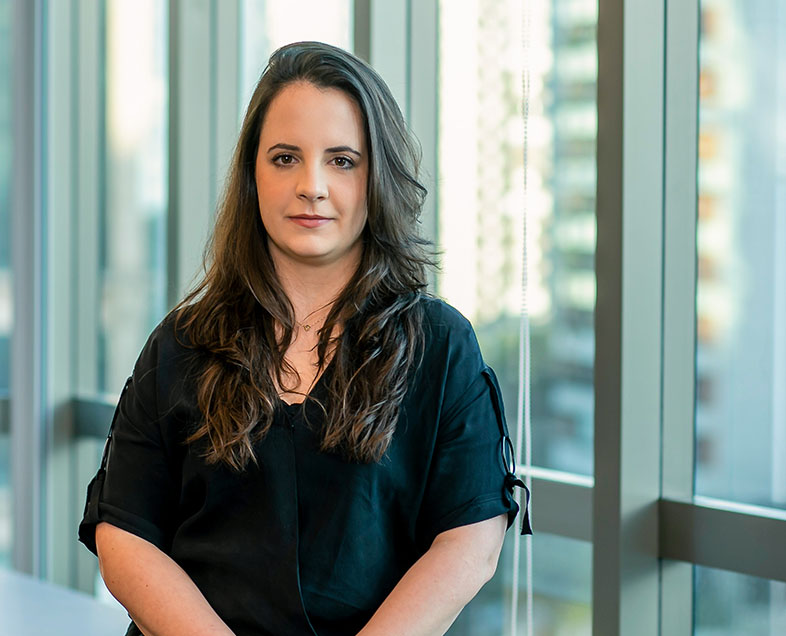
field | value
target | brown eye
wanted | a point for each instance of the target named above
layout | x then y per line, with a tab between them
283	159
343	162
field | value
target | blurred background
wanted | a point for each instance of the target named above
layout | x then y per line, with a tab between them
117	120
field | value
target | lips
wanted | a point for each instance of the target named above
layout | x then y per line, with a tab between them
310	221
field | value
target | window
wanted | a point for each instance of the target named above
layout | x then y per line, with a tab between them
131	256
729	603
645	194
741	292
268	24
516	142
741	304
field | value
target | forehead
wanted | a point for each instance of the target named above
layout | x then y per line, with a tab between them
305	112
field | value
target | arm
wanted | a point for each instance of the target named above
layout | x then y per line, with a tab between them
158	594
436	588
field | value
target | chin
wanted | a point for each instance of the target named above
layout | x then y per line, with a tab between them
316	253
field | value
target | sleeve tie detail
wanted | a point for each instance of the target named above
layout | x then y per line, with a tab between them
507	453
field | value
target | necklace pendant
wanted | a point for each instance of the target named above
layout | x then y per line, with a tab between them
306	327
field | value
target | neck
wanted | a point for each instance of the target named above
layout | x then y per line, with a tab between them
310	287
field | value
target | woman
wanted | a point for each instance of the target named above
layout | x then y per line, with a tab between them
308	444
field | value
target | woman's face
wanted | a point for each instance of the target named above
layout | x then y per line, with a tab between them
311	176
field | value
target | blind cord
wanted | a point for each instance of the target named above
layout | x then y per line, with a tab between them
523	420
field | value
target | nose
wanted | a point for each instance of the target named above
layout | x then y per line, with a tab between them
312	184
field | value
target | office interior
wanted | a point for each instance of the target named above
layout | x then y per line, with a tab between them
607	194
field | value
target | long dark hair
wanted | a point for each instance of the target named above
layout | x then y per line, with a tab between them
239	316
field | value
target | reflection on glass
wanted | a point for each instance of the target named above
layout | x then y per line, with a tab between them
132	255
727	604
741	296
6	308
482	202
268	24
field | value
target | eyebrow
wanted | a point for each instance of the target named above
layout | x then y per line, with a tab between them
344	149
333	149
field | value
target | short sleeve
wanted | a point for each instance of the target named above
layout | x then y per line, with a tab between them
472	473
135	488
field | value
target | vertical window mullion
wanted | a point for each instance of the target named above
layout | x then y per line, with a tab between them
361	28
61	169
26	341
203	127
191	182
227	88
90	51
679	282
422	79
90	54
628	317
389	32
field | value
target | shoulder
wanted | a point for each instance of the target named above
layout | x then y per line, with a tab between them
165	371
166	345
449	338
443	319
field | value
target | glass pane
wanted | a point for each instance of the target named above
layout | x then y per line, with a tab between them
269	24
728	604
6	308
741	297
482	202
133	225
480	205
562	587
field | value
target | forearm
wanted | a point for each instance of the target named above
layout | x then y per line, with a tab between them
436	588
158	594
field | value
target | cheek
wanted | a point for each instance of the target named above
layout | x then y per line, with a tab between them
359	213
359	225
268	194
361	199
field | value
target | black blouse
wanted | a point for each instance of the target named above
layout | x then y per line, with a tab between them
304	542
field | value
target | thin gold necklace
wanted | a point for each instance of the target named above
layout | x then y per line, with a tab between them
306	326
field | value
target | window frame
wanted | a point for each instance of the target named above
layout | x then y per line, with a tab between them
639	510
26	452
